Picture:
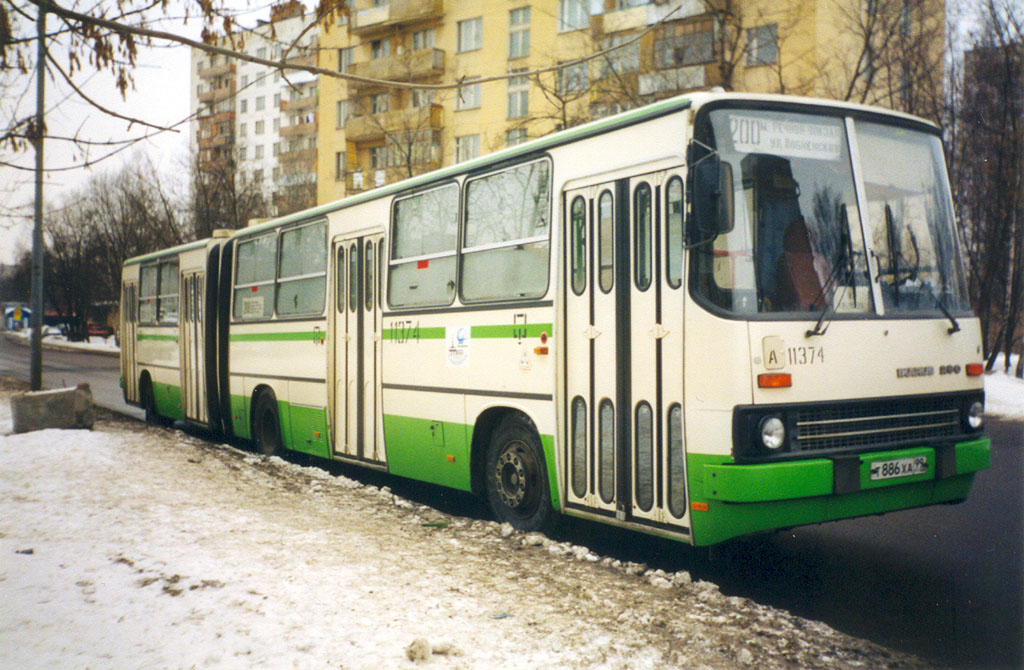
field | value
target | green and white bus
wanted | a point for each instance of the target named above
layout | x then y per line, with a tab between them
715	315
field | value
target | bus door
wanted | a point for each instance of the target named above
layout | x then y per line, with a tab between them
358	424
623	344
129	327
193	368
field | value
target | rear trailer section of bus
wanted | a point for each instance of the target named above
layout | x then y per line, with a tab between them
832	364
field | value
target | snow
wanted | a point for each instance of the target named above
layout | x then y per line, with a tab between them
134	546
1004	393
52	336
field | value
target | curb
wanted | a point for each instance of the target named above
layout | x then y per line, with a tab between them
59	346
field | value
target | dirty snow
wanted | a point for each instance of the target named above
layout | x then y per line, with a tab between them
132	546
1004	394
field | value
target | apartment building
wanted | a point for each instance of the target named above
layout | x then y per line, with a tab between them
256	122
378	134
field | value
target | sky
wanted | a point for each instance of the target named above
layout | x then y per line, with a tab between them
160	96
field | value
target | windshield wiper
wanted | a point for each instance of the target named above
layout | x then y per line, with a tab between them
955	327
845	259
894	268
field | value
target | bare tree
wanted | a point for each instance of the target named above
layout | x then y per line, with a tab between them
985	134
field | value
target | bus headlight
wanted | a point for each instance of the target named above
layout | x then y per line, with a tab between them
773	432
976	415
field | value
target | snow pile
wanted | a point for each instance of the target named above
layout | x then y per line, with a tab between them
132	546
1004	394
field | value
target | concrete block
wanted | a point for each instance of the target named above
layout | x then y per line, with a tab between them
60	408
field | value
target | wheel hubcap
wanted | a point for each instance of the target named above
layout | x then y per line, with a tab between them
513	475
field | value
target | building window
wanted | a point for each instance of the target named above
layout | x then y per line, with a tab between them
572	79
276	149
241	153
241	130
468	97
259	127
257	176
344	59
515	136
626	59
424	39
277	100
684	48
243	106
518	96
763	45
470	34
378	157
261	103
339	165
245	80
421	98
261	52
277	124
380	49
467	147
341	112
258	152
572	15
519	32
378	103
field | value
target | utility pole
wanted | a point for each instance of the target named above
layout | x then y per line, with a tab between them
36	365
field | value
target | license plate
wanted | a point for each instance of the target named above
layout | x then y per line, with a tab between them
899	467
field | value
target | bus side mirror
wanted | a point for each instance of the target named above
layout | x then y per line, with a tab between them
712	199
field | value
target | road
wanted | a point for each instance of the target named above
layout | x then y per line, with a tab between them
943	582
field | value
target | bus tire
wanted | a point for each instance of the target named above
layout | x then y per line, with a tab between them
516	477
266	432
148	398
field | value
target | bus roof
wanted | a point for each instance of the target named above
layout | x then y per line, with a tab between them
188	246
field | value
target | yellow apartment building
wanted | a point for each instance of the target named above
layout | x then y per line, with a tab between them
886	52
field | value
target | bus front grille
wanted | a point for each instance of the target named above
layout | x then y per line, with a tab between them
859	425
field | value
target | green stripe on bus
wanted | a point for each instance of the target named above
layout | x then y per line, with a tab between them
306	336
511	331
506	330
157	338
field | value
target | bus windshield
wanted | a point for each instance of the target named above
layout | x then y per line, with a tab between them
798	243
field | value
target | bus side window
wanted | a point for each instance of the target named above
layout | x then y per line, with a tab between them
642	236
424	228
147	294
302	274
254	278
578	219
605	242
505	250
674	232
167	298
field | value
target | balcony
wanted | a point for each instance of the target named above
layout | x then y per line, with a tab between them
367	18
299	129
668	81
217	70
299	104
377	126
298	156
309	60
409	66
362	180
619	20
218	93
216	141
222	117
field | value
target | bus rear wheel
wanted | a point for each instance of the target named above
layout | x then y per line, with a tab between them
266	425
148	398
516	476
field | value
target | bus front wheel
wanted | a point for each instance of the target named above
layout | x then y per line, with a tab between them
516	476
266	426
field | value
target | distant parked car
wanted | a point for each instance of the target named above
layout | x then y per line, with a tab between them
98	330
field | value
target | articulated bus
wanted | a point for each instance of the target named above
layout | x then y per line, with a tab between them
715	315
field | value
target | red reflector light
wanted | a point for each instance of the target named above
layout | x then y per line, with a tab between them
775	380
422	265
699	506
540	351
975	369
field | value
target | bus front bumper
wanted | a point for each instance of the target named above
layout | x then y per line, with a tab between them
728	500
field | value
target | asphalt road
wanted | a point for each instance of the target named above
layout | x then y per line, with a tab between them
944	582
